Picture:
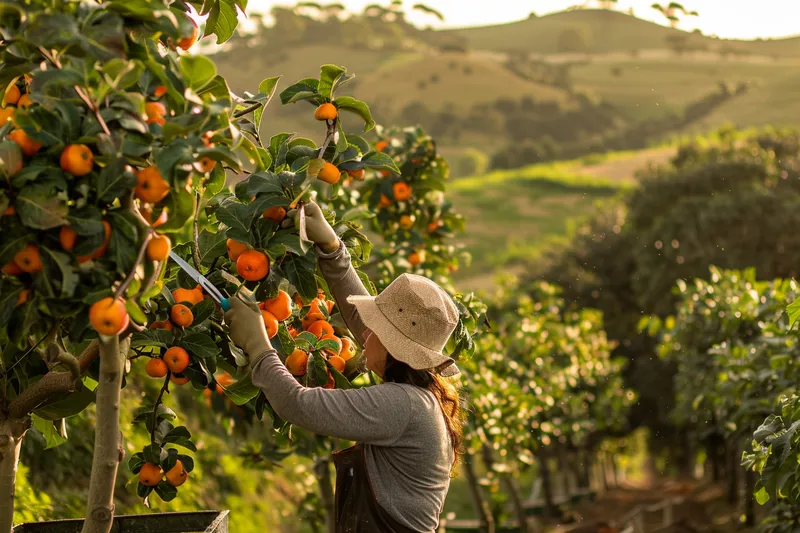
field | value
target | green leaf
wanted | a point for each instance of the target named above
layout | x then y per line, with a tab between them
222	20
199	345
69	277
263	183
285	339
379	160
211	245
66	405
328	344
314	167
267	87
11	245
164	490
794	312
122	74
242	391
8	301
203	311
152	454
328	76
238	217
340	381
48	431
135	312
299	271
358	107
146	414
305	89
762	496
40	209
317	370
136	462
152	338
309	338
181	437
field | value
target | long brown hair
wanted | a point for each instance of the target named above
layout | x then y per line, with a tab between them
443	390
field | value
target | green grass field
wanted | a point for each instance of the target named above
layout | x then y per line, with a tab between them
511	215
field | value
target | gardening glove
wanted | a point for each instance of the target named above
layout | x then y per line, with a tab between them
319	231
246	327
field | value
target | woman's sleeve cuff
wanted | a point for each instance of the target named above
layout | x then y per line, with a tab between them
332	255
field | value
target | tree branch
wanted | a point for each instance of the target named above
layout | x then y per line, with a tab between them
196	243
52	384
139	258
81	94
331	132
247	110
164	388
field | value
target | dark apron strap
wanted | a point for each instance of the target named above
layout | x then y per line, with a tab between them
357	510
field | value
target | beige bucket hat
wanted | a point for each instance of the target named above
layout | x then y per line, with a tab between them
413	317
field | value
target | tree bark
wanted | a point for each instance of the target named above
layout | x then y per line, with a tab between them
731	453
550	509
516	500
612	464
108	452
749	499
482	510
11	433
323	471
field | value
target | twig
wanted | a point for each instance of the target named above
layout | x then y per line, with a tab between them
122	288
328	137
247	110
164	388
196	243
81	94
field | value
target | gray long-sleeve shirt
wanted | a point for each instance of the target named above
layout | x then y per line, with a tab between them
407	447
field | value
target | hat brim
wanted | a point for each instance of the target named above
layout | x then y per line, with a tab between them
401	347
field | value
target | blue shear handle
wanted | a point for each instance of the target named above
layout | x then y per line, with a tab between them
225	304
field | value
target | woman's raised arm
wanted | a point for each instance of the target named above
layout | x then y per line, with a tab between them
334	262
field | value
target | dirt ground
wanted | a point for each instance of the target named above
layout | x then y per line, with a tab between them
703	509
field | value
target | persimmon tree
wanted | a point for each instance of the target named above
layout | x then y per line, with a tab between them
735	349
109	130
563	389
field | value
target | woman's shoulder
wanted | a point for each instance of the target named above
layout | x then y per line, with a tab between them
416	395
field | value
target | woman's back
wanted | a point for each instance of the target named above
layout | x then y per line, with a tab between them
410	477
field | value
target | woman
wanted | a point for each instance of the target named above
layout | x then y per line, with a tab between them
408	428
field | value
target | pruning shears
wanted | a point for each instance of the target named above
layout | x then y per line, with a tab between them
207	286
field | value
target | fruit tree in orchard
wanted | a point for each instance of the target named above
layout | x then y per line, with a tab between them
111	137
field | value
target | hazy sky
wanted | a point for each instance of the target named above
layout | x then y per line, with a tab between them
734	19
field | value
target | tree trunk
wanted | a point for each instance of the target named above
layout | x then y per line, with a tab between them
550	509
108	452
731	453
749	499
712	452
516	500
604	471
323	471
585	478
485	517
11	434
612	464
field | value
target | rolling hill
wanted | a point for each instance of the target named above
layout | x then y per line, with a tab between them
605	32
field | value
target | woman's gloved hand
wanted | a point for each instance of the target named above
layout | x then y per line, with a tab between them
246	327
319	231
